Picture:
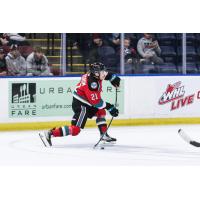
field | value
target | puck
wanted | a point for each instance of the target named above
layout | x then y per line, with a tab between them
102	148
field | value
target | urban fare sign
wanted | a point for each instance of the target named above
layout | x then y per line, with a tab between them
23	99
26	98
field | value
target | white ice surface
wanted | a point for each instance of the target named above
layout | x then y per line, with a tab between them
143	145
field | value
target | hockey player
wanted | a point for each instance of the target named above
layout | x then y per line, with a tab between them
87	103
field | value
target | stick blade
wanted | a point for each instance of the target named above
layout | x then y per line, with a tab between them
187	138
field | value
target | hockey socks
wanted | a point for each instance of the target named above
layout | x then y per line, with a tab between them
65	131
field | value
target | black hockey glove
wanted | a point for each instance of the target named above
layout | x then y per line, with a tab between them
115	80
112	109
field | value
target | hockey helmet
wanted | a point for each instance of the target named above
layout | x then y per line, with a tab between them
97	67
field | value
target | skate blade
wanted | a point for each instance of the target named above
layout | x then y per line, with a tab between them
44	141
108	143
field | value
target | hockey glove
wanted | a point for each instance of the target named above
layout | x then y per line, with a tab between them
115	80
112	109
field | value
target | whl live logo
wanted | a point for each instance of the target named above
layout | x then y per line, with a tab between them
175	94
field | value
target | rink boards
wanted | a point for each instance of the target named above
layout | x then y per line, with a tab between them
43	102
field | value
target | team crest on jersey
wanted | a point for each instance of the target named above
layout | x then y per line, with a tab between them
94	85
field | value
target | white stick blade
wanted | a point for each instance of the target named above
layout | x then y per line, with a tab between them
184	135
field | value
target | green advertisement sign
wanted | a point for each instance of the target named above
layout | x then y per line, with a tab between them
41	98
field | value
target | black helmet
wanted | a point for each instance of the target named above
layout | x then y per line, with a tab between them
97	67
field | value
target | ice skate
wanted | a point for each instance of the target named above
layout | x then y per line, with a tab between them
46	138
107	139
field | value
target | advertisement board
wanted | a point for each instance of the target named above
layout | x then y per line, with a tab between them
43	98
139	98
178	97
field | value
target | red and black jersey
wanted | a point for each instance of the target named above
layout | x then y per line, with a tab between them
88	91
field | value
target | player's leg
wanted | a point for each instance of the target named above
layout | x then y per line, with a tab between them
102	126
65	131
78	122
46	136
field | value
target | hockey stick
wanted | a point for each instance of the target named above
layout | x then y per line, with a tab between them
187	138
109	123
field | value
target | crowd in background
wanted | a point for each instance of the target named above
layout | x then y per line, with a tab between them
106	47
13	63
142	53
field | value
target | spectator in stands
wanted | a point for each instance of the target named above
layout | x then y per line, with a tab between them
3	67
113	39
83	42
149	50
97	43
133	39
1	38
16	64
102	52
8	39
37	63
130	56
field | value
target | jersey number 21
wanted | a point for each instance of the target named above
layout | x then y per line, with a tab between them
94	97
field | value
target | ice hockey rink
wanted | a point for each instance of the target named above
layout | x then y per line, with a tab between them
137	145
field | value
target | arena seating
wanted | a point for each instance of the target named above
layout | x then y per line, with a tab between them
170	44
191	68
168	68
